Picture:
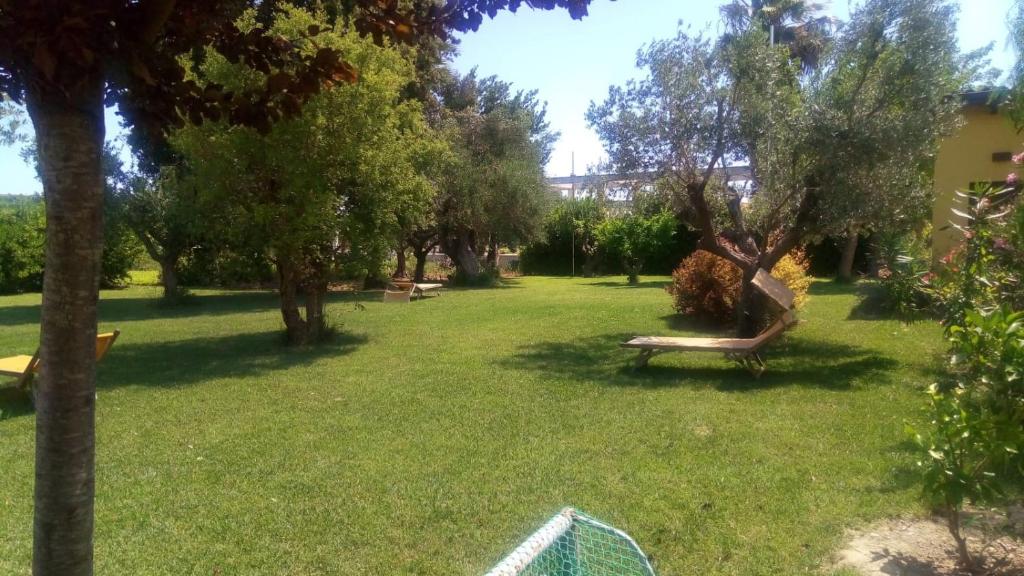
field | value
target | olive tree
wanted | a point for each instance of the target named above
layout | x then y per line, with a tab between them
493	190
880	97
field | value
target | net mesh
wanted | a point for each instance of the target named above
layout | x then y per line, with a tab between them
574	544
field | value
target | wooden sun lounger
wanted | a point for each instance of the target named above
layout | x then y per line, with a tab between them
397	295
24	368
742	350
417	288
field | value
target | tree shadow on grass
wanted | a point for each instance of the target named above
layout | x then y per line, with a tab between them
624	284
113	310
704	327
197	360
793	362
13	402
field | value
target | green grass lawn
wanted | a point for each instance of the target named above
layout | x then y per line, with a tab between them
432	437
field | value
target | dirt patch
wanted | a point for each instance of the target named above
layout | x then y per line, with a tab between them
923	547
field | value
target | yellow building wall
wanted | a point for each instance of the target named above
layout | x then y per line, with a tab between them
966	157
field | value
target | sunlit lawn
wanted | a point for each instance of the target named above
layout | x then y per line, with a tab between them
432	437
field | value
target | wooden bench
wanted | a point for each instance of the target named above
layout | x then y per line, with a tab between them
745	351
24	368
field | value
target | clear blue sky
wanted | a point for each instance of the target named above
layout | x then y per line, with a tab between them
572	63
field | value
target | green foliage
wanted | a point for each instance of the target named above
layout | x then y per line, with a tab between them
492	191
121	247
851	143
903	274
633	239
977	430
325	189
22	242
986	270
23	238
569	231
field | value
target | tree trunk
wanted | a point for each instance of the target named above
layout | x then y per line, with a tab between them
963	552
492	254
294	325
400	269
421	265
751	309
633	273
465	257
316	322
69	134
849	252
169	277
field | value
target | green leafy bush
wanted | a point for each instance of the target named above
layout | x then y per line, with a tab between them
972	447
22	246
633	239
569	232
903	274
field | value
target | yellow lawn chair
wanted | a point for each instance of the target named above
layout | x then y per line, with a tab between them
24	368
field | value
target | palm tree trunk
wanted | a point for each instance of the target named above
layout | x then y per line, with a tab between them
69	134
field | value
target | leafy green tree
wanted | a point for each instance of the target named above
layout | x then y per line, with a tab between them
494	190
882	91
22	243
65	59
323	187
163	212
568	239
11	121
634	238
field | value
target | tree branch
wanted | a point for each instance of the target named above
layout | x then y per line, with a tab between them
152	17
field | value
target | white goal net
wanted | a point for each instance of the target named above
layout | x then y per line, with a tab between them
574	544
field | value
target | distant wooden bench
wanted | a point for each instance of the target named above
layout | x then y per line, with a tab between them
24	368
417	288
745	351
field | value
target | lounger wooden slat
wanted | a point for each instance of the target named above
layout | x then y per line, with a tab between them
742	350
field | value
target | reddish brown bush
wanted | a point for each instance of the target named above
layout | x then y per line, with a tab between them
707	287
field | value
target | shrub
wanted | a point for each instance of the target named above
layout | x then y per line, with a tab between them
569	231
707	287
904	268
972	449
633	239
792	271
22	246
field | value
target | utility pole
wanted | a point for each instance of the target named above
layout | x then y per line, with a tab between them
572	223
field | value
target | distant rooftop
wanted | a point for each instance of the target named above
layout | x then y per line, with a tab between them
737	172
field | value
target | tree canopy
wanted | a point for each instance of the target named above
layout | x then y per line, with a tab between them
859	132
